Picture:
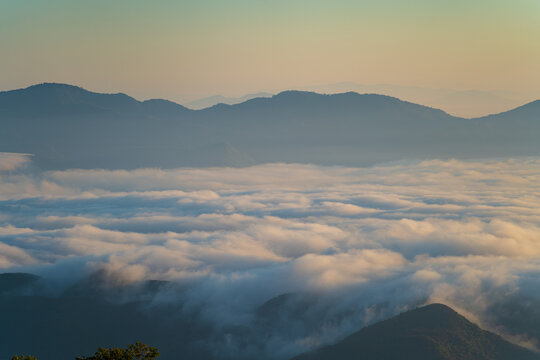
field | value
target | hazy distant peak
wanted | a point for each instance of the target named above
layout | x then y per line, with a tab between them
298	94
311	101
305	95
346	99
214	100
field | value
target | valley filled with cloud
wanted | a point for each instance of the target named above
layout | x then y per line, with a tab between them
332	248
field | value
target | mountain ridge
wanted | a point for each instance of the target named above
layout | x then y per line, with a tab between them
431	332
65	126
282	94
210	101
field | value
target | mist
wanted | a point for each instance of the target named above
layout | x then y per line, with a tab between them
277	259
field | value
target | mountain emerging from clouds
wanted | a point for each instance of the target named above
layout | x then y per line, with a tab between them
433	332
93	312
65	126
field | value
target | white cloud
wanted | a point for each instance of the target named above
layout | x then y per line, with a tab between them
458	232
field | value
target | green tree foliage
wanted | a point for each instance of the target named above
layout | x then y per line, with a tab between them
137	351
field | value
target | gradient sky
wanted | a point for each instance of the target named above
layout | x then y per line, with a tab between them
182	50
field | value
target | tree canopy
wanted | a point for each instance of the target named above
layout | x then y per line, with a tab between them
137	351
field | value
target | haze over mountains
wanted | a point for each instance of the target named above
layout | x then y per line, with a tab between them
65	126
461	103
220	99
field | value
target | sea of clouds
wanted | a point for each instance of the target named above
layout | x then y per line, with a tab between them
394	236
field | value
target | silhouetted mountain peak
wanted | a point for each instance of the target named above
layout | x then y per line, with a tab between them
56	99
432	332
433	315
52	86
210	101
60	90
351	100
62	99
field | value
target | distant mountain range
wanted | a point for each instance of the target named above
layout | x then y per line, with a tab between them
93	312
65	126
219	99
463	103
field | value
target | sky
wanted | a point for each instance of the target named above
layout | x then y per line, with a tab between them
184	50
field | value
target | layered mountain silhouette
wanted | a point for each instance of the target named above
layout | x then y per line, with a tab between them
433	332
65	126
219	99
463	103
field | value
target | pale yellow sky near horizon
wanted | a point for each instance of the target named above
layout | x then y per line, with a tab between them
184	50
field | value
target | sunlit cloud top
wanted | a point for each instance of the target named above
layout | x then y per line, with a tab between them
462	233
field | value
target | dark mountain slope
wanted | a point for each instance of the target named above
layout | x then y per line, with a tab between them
15	282
530	112
432	332
518	125
100	311
94	313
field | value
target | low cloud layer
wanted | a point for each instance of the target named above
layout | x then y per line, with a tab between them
463	233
